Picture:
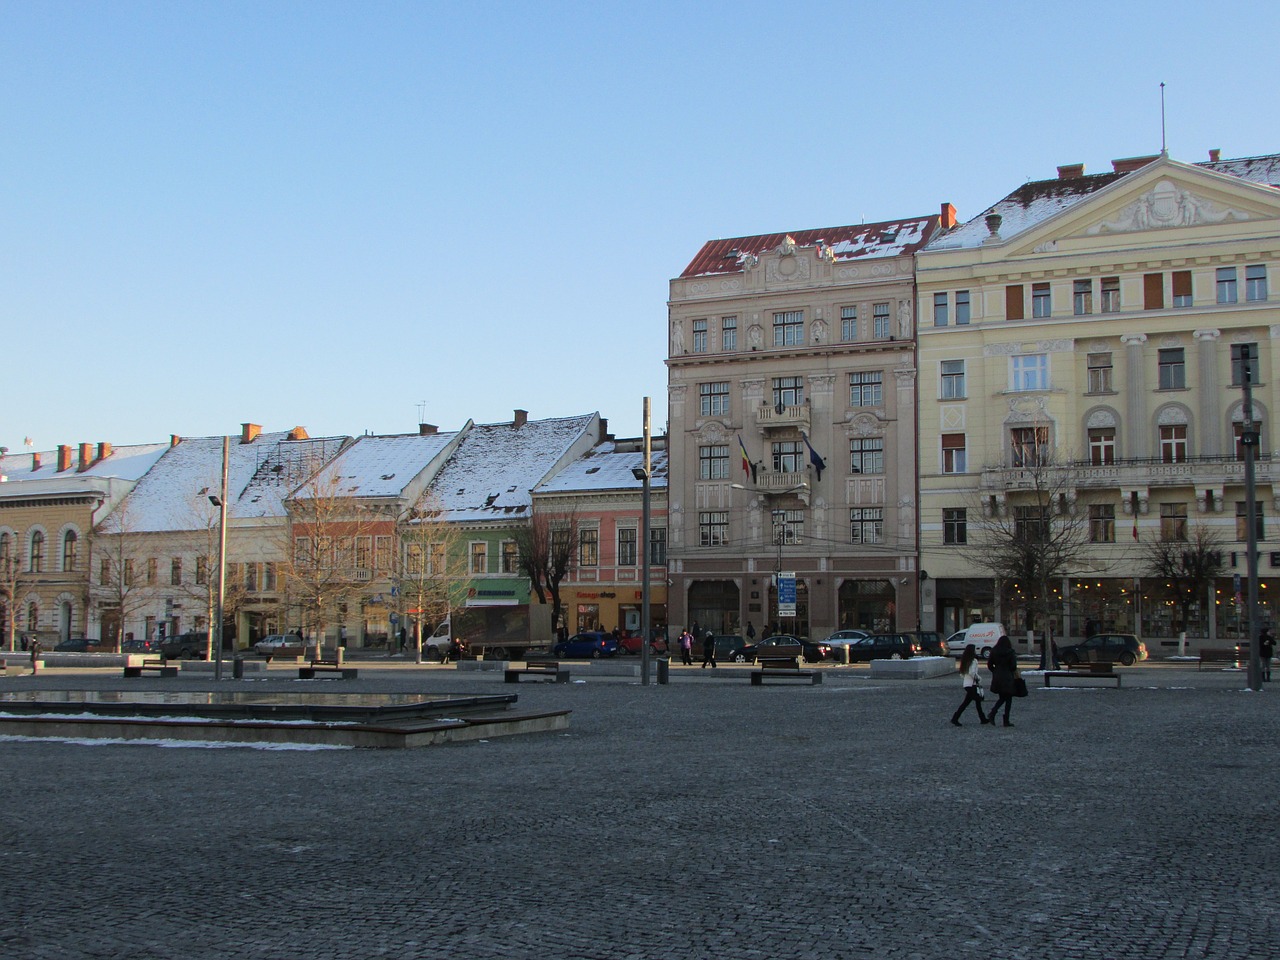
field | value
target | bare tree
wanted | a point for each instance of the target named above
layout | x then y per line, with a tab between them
10	583
546	549
203	585
1187	569
126	576
431	564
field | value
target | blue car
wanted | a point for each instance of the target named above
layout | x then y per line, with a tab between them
590	645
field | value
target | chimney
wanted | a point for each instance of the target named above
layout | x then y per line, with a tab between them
104	451
64	457
35	462
86	456
1215	155
1130	164
604	430
299	433
948	216
1071	171
174	439
522	417
249	432
427	429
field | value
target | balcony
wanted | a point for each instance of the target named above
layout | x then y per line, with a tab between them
1126	474
771	417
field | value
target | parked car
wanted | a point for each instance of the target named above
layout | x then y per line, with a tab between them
784	645
74	645
140	646
1124	648
192	645
592	645
631	644
727	645
280	645
842	638
932	644
884	646
983	636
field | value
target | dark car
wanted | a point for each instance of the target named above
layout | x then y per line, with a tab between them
590	645
140	646
883	646
631	644
1124	648
193	645
784	645
931	644
727	645
74	645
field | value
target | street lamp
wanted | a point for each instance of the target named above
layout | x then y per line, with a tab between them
221	503
644	474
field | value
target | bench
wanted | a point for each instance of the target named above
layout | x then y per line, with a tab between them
551	669
1219	655
162	667
1090	670
309	671
782	668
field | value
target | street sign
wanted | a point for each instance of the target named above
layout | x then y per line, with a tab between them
395	618
787	594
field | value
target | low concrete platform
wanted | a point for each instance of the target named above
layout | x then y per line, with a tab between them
916	668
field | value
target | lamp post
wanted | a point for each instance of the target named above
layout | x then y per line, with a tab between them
778	514
1249	438
221	503
644	474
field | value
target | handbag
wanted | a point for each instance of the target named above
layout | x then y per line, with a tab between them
1019	686
977	688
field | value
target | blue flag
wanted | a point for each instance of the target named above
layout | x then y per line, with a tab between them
818	463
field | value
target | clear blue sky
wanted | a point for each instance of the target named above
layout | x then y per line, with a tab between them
328	213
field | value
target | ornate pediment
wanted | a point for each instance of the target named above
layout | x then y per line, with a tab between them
1166	205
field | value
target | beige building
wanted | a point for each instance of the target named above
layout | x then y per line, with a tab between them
792	424
1102	323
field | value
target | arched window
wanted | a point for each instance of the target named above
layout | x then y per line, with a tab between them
36	564
70	543
33	616
6	545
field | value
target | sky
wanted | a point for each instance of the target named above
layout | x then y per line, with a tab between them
356	216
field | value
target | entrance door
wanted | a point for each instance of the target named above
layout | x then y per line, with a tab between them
64	620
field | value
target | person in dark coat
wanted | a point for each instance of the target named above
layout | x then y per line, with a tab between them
751	632
1266	650
1003	664
708	648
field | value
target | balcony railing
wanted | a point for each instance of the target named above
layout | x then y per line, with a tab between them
769	416
1136	471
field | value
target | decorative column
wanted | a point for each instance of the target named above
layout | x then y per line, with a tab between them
1209	432
1137	430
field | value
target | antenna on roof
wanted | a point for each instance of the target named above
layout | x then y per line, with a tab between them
422	411
1164	150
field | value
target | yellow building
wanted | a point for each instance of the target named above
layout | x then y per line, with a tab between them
1101	323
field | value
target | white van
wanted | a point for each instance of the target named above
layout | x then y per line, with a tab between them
982	635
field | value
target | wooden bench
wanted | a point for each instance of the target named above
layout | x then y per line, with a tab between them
1220	655
551	669
162	667
782	668
309	671
1089	670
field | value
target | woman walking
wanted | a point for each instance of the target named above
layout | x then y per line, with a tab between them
686	648
1003	664
972	686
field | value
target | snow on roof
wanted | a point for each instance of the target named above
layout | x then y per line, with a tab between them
1037	201
127	463
890	238
174	494
606	468
496	466
377	466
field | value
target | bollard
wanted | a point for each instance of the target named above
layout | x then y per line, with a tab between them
664	669
340	652
237	668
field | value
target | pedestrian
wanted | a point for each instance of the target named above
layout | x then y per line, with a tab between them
708	649
686	648
751	632
1057	664
1266	650
768	632
403	637
1003	664
972	686
35	654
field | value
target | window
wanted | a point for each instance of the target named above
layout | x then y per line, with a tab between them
1255	282
713	462
1153	291
1242	521
700	336
1099	367
1173	522
479	558
713	528
1182	288
1102	523
866	455
880	321
952	380
104	572
1030	446
866	389
788	392
1226	284
1242	354
658	546
1013	305
413	559
382	552
510	557
269	576
152	570
1082	298
1110	294
866	525
202	570
714	399
848	324
788	456
1031	524
953	453
788	329
1237	430
962	308
127	575
1173	369
627	542
1030	371
955	525
1102	446
175	572
728	333
1173	443
70	546
364	553
35	557
1041	300
250	574
436	559
788	526
588	547
6	545
939	309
